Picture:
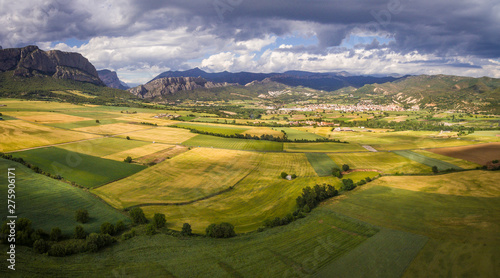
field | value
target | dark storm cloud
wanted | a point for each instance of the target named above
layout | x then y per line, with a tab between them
438	27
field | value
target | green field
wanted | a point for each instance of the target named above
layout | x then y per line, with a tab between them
386	254
323	147
189	176
295	134
233	143
220	129
358	176
452	160
429	161
462	230
50	203
85	170
389	163
322	163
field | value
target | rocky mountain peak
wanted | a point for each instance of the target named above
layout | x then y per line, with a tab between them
170	85
31	61
110	78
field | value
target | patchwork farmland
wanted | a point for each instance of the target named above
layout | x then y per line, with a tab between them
399	219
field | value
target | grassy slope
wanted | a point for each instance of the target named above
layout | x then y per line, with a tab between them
232	143
50	203
168	135
189	176
298	249
293	134
323	147
463	231
85	170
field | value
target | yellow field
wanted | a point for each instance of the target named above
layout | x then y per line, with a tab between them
455	161
46	117
36	105
168	135
389	163
17	134
469	183
147	118
263	194
111	129
264	130
188	176
139	151
160	156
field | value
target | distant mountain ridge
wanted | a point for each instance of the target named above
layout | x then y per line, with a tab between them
31	61
320	81
110	78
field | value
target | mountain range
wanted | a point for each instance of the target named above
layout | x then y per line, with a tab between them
329	81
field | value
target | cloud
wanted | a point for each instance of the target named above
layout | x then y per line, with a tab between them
137	35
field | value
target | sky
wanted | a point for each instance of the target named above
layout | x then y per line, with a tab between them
140	39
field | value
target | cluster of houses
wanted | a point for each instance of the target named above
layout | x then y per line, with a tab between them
360	107
170	116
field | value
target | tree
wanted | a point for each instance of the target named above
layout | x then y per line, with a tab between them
40	246
159	220
128	137
82	216
186	229
97	122
306	209
55	234
347	184
283	175
138	216
345	167
128	159
435	169
120	226
80	232
107	228
222	230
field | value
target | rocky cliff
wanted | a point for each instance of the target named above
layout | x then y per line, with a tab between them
171	85
31	61
110	78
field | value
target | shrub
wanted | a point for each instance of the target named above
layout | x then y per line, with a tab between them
40	246
129	235
128	137
159	220
80	232
306	209
368	179
107	228
150	229
222	230
138	216
39	234
337	173
294	176
82	216
435	169
186	229
55	234
57	250
95	241
128	159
